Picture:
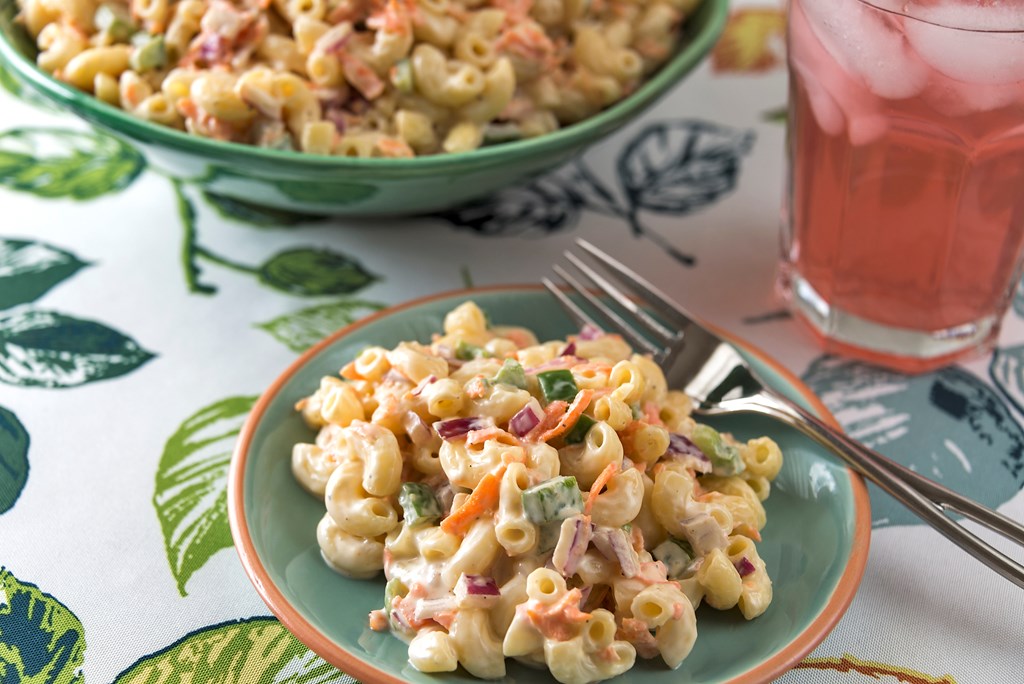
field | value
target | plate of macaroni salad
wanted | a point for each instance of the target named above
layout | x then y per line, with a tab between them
358	78
503	499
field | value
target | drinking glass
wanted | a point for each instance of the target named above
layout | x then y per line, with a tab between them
903	223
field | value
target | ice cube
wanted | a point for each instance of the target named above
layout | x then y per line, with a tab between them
956	98
869	43
971	56
825	108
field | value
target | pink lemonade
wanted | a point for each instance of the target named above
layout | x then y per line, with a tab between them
904	229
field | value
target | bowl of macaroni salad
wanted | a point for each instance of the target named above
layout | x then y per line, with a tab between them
468	493
357	106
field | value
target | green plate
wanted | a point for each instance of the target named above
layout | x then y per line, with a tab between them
815	544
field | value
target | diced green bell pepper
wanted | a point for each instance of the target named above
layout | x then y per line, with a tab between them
115	21
150	52
676	554
557	385
578	432
465	351
555	499
725	458
511	373
419	503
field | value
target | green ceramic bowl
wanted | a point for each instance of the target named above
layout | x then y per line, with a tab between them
333	185
815	544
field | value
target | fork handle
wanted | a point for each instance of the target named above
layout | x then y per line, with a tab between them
926	498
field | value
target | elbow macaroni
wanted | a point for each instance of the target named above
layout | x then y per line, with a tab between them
480	566
381	78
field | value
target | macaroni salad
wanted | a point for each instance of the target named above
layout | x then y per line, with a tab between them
551	502
361	78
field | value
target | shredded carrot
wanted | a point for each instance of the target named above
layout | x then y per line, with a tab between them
348	371
572	414
747	531
476	388
474	437
378	621
445	619
394	148
553	412
559	619
606	475
483	499
651	413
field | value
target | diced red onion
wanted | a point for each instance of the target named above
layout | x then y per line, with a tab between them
446	497
477	585
590	332
585	594
526	419
459	427
429	380
398	618
213	49
681	448
394	376
566	557
419	430
570	350
614	545
476	591
744	566
428	608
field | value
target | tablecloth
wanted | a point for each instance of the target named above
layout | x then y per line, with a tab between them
140	319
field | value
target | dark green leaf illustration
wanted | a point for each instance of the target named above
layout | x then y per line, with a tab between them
1007	372
50	349
300	330
51	162
679	166
671	167
255	650
191	486
311	272
545	205
28	269
255	214
13	458
40	639
10	83
947	425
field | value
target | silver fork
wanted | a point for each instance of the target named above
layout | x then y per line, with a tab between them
718	378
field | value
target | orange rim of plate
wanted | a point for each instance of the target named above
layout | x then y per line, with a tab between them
361	670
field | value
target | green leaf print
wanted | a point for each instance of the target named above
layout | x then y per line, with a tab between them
54	350
28	269
13	459
311	272
53	163
41	641
191	486
302	329
255	650
254	214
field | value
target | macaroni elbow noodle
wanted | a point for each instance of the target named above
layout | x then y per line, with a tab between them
513	515
352	508
348	554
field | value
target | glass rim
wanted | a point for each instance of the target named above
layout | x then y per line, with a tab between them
988	24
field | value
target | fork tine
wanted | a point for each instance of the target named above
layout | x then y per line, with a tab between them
665	306
575	312
628	332
665	336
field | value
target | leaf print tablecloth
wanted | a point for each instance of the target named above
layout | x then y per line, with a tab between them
140	318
